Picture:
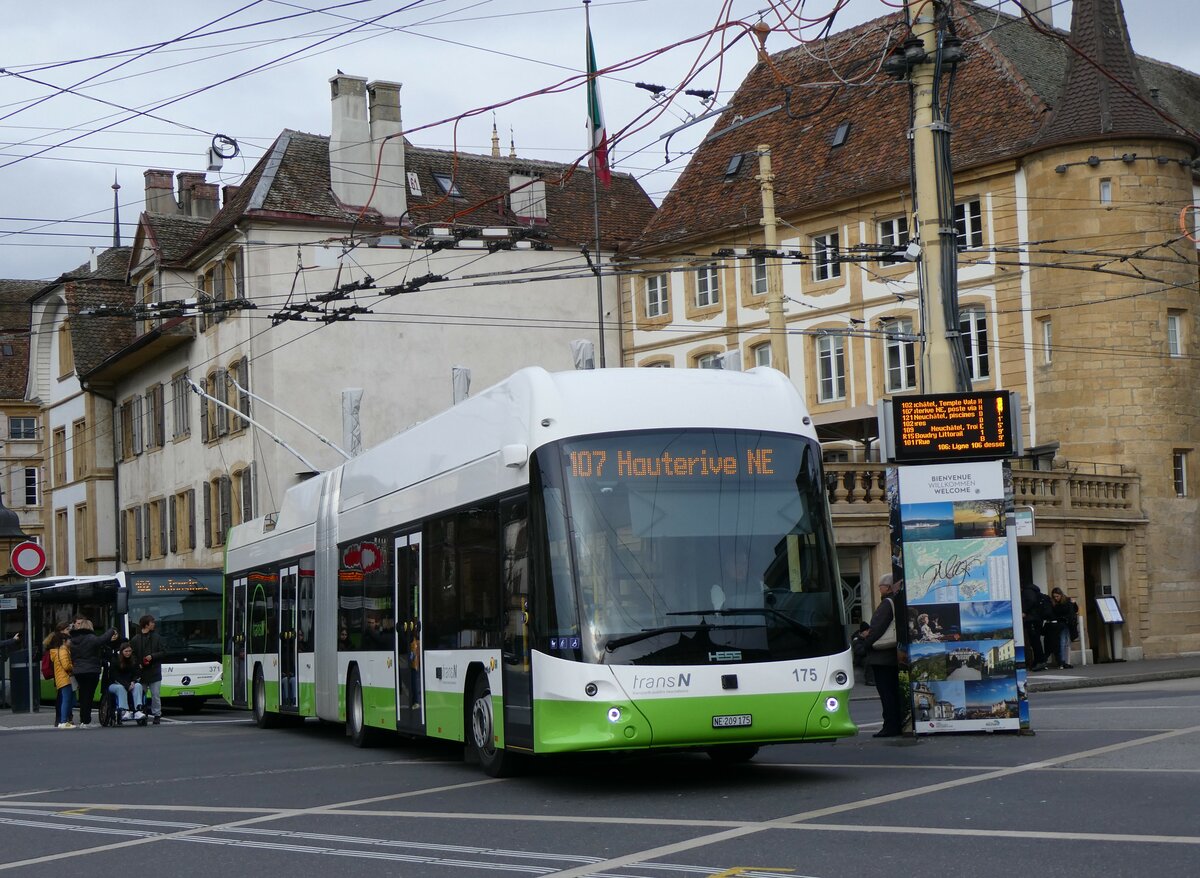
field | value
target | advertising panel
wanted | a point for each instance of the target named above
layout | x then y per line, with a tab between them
966	669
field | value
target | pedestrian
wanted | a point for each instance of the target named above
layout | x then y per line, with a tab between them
1033	614
147	649
87	650
63	626
126	684
60	657
1066	616
11	643
881	659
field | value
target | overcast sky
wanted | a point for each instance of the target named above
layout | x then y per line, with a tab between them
452	56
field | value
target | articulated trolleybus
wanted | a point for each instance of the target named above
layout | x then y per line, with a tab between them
609	560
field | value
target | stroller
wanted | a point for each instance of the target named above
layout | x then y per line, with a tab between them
110	714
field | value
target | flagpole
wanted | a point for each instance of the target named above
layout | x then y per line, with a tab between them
595	195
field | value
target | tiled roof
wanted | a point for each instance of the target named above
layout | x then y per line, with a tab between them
94	339
624	207
172	236
292	181
1002	98
15	315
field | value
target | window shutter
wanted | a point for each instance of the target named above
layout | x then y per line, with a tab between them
138	424
190	500
204	404
239	269
162	524
225	495
137	532
173	525
243	372
119	433
207	518
146	525
219	289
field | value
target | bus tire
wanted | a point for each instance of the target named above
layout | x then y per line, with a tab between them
481	733
361	735
733	754
263	718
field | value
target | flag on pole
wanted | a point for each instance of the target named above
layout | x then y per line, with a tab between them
599	159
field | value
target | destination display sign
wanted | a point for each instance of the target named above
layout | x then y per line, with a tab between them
614	462
953	427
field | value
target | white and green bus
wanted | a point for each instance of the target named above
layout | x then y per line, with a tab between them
186	605
618	559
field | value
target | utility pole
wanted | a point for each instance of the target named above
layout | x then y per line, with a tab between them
943	369
775	316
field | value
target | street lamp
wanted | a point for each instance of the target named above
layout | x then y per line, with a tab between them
10	535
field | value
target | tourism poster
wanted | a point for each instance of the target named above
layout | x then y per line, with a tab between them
965	655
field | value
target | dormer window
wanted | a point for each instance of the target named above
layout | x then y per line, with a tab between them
447	185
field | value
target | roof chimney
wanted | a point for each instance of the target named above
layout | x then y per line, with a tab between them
196	198
383	103
351	164
160	192
228	193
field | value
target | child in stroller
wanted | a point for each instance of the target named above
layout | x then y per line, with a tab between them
123	694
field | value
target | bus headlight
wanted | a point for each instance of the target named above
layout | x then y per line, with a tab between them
832	704
614	714
840	678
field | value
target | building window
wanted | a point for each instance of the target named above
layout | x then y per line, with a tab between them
893	238
447	184
758	276
181	413
22	428
31	486
124	434
825	257
146	299
218	510
66	351
968	225
1047	340
1179	466
901	352
1175	333
708	286
656	295
710	361
81	449
1106	191
183	521
762	354
831	363
243	483
972	331
59	451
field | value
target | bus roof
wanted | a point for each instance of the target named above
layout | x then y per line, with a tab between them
532	408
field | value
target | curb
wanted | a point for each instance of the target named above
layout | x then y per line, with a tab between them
1092	682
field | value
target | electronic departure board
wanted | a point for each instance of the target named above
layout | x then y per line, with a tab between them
954	426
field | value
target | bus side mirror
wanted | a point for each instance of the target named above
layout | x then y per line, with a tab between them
122	601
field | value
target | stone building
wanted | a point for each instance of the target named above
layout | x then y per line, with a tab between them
1073	158
22	428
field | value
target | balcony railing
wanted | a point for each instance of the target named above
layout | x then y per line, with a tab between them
862	488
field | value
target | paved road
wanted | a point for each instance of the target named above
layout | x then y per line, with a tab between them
1107	785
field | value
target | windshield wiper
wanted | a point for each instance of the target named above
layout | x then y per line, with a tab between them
645	633
752	611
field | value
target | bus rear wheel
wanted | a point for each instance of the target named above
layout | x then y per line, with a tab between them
262	717
481	733
356	723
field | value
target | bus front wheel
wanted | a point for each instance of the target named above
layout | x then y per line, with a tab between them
733	754
356	724
481	732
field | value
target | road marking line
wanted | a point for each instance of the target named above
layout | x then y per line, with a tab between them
666	850
1003	833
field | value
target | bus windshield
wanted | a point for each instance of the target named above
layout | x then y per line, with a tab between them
186	613
693	546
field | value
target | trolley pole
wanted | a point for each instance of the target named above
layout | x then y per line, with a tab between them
933	229
775	316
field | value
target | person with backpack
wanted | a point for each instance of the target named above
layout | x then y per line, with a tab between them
1034	613
147	649
86	654
59	646
47	663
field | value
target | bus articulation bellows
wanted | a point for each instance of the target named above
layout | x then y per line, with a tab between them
604	560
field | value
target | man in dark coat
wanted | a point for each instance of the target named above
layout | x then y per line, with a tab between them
1032	617
87	656
147	649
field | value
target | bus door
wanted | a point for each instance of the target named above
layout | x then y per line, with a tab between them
238	642
288	642
515	641
409	689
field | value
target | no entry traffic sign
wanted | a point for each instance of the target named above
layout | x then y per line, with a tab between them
28	559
